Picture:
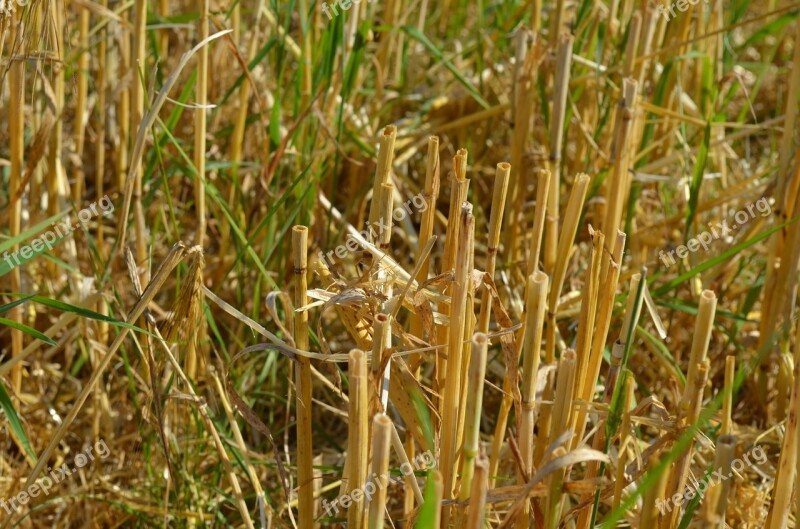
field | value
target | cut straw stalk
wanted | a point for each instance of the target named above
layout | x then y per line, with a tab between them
716	500
542	190
357	438
501	177
586	323
571	218
381	437
55	185
80	103
431	193
727	402
472	429
786	476
565	242
618	190
100	129
383	170
521	117
452	394
562	410
610	273
16	140
305	454
536	293
620	483
138	60
688	415
379	367
201	96
561	88
458	194
650	515
477	496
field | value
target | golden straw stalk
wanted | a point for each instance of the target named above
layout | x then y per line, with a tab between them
474	390
381	437
495	221
305	454
357	437
452	395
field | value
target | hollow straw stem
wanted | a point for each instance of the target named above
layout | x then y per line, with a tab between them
716	499
702	336
452	395
383	170
474	405
303	382
501	178
381	437
357	435
536	292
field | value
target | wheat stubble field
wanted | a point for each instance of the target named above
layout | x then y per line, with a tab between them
402	263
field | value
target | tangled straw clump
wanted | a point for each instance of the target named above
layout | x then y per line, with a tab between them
257	334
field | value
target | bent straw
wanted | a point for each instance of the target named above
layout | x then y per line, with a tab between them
302	374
